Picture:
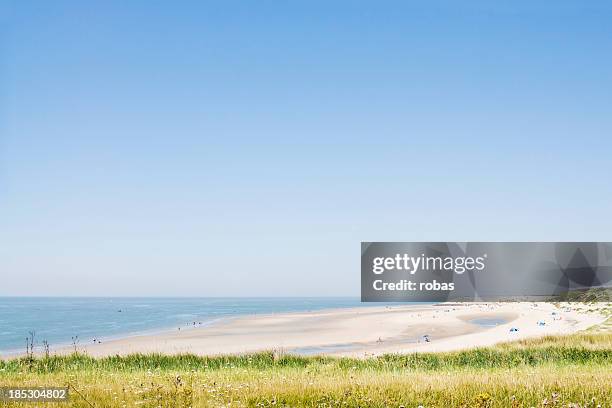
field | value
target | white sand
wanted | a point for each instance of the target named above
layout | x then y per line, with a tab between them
361	331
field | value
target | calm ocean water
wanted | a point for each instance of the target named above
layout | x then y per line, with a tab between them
57	320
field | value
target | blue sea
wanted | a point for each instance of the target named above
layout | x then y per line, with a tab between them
57	320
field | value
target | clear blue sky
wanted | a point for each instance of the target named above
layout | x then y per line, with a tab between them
246	148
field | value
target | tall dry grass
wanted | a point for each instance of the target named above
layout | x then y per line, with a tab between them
549	372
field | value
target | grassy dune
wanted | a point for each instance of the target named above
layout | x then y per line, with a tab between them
551	372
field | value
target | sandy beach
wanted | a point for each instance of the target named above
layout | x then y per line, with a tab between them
362	332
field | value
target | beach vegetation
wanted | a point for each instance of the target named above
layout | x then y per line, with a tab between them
551	371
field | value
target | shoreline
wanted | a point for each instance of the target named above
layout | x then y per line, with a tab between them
359	332
203	321
62	346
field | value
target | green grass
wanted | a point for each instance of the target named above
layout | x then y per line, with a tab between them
590	295
558	371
